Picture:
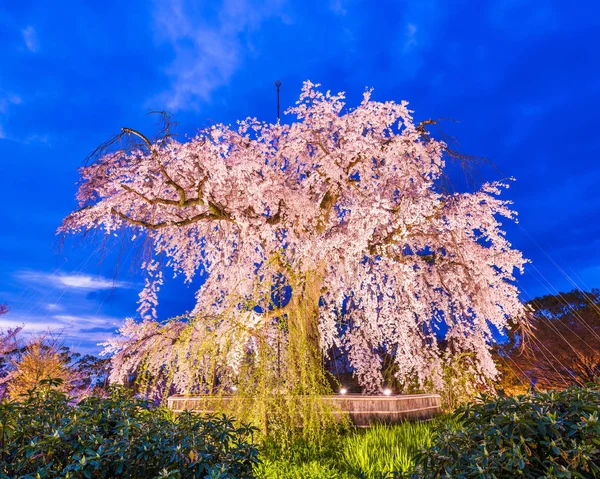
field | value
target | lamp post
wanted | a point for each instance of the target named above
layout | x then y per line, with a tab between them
278	85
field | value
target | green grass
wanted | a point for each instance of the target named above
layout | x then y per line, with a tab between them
384	450
375	453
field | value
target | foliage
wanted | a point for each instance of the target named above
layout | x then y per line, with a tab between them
45	436
564	347
38	360
379	452
9	344
92	370
382	450
25	363
279	389
303	459
512	382
8	339
346	208
460	381
553	435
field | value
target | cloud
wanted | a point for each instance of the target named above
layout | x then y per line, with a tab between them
411	36
53	307
209	45
418	35
81	332
59	304
7	99
30	39
337	7
88	321
99	330
71	281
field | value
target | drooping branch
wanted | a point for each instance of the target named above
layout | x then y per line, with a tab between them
144	138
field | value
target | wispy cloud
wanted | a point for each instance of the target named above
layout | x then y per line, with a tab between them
69	306
337	7
7	99
86	321
30	39
423	21
81	332
53	307
209	46
73	281
411	36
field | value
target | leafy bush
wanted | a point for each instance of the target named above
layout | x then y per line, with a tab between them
552	435
44	436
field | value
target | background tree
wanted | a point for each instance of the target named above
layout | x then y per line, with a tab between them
564	347
9	343
93	371
24	364
42	358
346	207
8	339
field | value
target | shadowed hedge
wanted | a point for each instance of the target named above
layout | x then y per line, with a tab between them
44	435
552	435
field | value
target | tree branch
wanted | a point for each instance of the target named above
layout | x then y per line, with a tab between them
165	224
164	201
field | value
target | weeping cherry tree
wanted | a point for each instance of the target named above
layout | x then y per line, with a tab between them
342	210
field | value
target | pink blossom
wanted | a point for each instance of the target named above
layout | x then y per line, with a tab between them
355	193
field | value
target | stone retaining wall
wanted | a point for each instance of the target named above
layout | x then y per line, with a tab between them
363	410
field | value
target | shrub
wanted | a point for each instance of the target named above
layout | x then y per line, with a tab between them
44	436
549	435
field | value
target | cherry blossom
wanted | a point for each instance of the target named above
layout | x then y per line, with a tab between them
351	198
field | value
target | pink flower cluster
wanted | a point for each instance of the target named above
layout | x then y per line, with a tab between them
354	194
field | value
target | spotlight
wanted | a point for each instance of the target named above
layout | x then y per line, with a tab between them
343	391
234	388
387	392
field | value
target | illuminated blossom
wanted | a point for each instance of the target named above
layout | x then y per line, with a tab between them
351	197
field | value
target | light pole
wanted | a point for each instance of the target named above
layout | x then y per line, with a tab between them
278	84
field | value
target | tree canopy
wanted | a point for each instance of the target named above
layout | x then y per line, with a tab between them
564	349
343	206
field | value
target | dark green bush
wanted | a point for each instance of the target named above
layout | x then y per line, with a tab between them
550	435
45	436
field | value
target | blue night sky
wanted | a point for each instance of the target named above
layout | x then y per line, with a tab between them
523	79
